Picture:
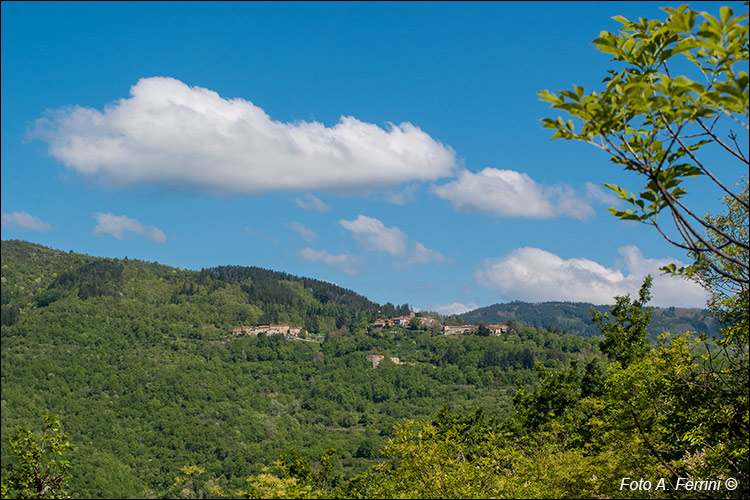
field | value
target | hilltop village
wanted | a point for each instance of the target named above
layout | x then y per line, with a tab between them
410	320
400	321
429	321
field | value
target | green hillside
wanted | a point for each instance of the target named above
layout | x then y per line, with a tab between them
36	276
575	318
139	361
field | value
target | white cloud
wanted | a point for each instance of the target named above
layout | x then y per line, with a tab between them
23	221
508	193
422	255
536	275
118	225
373	236
307	234
453	308
169	133
343	262
310	202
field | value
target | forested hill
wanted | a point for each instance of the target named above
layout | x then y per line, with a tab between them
139	362
575	318
34	275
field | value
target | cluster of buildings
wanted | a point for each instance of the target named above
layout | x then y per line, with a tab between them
293	331
458	330
376	359
404	321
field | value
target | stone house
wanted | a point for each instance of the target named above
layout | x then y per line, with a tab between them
498	329
457	330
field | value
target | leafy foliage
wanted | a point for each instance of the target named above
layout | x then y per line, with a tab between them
688	408
625	330
729	299
660	126
38	472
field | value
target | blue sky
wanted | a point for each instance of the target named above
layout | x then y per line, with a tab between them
395	149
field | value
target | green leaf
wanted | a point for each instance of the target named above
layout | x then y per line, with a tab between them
726	14
621	19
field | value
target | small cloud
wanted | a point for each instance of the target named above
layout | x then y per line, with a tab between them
343	262
452	308
422	255
507	193
307	234
373	236
118	225
21	221
310	202
536	275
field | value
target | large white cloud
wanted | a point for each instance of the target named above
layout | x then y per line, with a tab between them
119	225
508	193
167	132
24	221
532	274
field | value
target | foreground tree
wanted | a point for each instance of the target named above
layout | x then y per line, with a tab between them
295	478
685	401
729	299
40	471
625	326
663	126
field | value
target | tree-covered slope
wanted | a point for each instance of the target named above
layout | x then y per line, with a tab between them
139	362
36	276
575	317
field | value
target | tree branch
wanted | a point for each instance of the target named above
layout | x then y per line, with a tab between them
698	162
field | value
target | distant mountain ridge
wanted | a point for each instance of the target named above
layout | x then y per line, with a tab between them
575	317
37	275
